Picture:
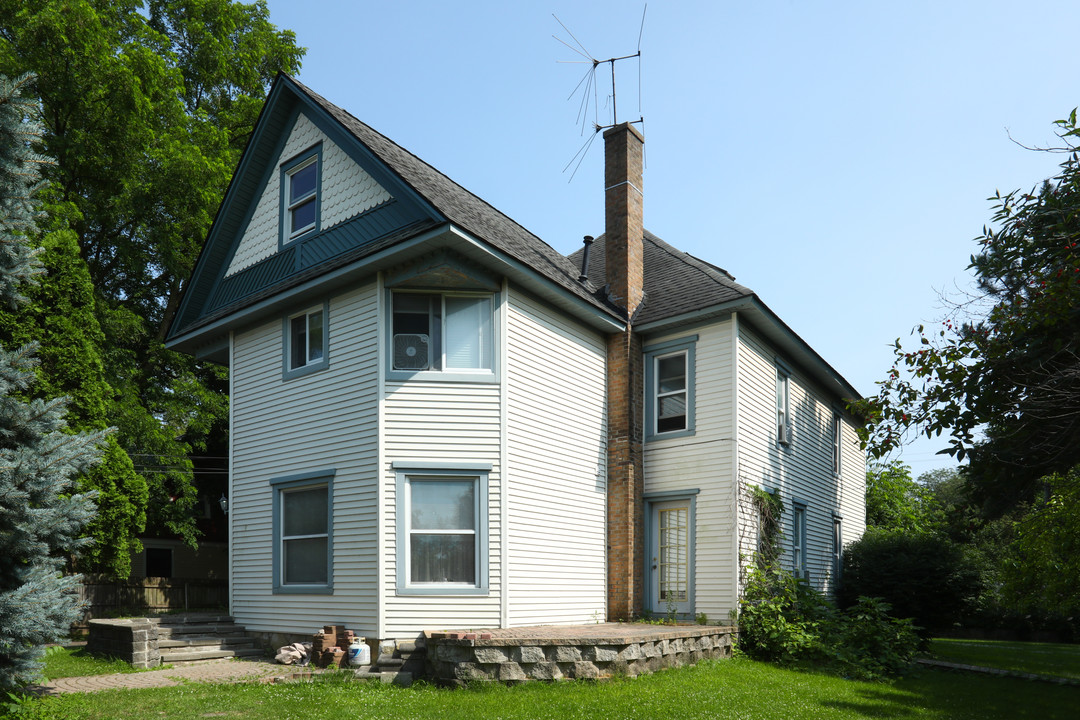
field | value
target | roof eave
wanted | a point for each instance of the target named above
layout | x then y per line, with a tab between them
774	329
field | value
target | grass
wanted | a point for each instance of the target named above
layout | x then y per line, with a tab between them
61	662
1039	658
737	688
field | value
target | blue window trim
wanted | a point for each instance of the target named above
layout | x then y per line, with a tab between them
687	345
313	479
783	371
283	208
837	446
485	377
405	471
663	497
289	373
798	507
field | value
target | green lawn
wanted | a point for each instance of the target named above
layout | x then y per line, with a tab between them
1038	658
719	689
64	662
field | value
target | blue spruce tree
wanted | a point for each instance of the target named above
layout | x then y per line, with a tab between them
41	515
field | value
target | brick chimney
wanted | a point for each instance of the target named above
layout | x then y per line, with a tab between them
624	266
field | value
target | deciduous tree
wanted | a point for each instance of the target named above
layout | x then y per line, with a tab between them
1001	378
147	108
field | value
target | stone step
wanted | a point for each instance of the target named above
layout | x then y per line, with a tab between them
208	629
192	619
207	641
173	657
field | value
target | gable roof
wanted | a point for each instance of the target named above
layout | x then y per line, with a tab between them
460	206
675	282
426	202
681	290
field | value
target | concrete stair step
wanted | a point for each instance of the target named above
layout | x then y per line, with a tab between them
209	629
390	677
186	655
207	641
193	619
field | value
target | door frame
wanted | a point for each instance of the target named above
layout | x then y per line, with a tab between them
650	576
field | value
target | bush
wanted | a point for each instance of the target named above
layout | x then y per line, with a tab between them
923	576
786	621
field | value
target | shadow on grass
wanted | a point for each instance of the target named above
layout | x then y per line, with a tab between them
958	695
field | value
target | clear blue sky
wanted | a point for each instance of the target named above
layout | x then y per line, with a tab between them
835	157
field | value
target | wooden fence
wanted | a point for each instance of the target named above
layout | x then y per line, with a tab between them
105	596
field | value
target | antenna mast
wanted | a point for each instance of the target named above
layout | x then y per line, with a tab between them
589	82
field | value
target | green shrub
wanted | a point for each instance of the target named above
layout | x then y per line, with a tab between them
923	576
786	621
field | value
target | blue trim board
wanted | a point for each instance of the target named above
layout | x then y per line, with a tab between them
278	485
284	170
288	373
687	345
404	470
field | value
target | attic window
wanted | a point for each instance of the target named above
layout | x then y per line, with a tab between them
300	184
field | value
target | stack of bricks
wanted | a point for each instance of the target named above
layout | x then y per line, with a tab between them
329	648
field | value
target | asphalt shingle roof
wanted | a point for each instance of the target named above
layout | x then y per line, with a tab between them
675	282
461	207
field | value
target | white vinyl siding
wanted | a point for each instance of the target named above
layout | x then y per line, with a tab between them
705	461
803	469
322	421
346	190
440	423
557	467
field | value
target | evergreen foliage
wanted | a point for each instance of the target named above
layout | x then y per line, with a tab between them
41	518
147	107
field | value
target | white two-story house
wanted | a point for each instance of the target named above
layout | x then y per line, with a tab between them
439	421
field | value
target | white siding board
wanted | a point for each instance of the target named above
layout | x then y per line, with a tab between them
347	191
556	464
318	421
705	461
802	470
440	423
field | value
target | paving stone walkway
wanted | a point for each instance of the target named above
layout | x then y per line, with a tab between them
214	671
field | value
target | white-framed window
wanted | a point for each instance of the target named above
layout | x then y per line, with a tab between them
306	341
442	332
300	184
303	532
798	539
837	430
669	379
442	528
783	405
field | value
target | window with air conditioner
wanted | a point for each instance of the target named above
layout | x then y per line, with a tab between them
442	332
783	406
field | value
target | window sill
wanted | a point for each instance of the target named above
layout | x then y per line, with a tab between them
450	590
308	369
671	435
303	590
485	377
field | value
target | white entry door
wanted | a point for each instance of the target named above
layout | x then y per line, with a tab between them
671	570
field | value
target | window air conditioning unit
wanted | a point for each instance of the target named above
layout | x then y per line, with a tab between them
411	352
782	433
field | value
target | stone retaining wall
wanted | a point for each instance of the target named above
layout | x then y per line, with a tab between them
134	641
457	658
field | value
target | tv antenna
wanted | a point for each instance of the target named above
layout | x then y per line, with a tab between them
588	85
